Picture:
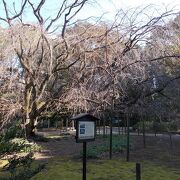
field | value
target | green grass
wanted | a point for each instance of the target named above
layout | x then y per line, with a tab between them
65	169
115	169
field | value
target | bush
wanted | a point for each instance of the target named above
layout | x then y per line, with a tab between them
156	127
6	143
17	145
172	126
13	131
165	126
25	145
9	147
148	125
12	141
21	167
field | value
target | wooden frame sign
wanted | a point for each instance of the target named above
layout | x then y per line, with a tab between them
85	127
85	131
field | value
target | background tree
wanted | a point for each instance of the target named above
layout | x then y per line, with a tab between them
41	56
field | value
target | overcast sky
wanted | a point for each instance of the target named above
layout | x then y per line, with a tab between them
109	7
112	6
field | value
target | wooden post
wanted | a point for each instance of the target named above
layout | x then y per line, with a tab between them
84	160
110	141
127	153
138	171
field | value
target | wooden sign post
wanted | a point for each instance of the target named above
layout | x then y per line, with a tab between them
85	131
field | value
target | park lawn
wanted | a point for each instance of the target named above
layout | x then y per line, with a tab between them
21	172
115	169
66	169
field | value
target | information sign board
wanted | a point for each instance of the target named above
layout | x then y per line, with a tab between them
85	127
86	130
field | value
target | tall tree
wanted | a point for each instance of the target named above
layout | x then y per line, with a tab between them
41	55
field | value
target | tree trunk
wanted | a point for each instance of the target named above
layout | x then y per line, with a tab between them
119	127
110	137
138	130
72	125
144	135
30	126
122	130
99	127
30	129
48	123
56	124
170	138
66	124
104	128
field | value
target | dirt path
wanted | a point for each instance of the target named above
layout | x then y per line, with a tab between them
158	149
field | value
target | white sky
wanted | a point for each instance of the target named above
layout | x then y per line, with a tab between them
111	6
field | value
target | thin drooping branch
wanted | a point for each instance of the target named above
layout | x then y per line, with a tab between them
60	12
8	19
177	56
66	16
160	89
37	11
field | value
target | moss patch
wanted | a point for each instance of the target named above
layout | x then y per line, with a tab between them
66	169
